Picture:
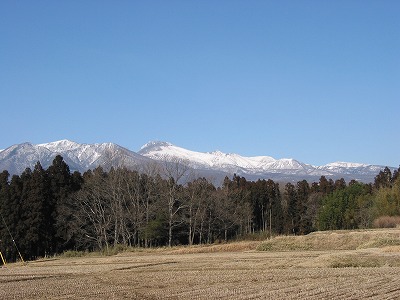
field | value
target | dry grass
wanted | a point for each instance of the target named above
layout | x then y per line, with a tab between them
387	222
391	249
228	247
226	271
334	240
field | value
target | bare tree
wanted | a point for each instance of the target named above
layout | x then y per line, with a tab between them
175	170
93	211
198	193
226	211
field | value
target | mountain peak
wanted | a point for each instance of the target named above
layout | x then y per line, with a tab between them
218	153
87	156
154	146
345	164
61	144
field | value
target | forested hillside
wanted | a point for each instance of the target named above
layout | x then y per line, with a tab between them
51	211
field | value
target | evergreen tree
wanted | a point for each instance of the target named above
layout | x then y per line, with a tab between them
6	217
325	186
37	214
12	214
302	194
258	200
396	175
274	206
61	186
340	184
383	179
339	210
292	214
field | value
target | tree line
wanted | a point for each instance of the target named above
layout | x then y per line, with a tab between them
46	212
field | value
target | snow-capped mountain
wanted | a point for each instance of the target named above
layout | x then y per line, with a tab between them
214	160
216	165
79	157
227	162
350	168
259	166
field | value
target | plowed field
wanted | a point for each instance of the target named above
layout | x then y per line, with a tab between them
372	273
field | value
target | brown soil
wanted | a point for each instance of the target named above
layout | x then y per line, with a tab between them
233	272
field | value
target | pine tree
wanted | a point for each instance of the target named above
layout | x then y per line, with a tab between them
396	175
61	186
37	214
6	220
12	214
273	211
302	194
383	179
292	214
325	186
340	184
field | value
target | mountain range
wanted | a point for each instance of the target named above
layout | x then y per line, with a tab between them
213	165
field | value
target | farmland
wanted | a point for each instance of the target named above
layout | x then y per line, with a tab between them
326	265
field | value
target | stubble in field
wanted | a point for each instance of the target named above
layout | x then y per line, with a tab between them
237	272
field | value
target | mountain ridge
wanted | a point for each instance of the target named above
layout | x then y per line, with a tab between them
82	157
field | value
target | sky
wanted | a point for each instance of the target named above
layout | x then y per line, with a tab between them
314	80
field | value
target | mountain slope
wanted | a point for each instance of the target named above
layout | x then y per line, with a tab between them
285	169
216	165
79	157
214	160
226	162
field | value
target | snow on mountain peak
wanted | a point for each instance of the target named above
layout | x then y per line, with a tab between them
342	164
217	153
154	145
86	156
62	145
216	160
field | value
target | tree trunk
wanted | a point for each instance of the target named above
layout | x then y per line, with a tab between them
170	232
226	233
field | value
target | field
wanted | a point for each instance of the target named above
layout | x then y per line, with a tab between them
323	265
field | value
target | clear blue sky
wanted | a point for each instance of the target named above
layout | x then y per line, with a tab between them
318	80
